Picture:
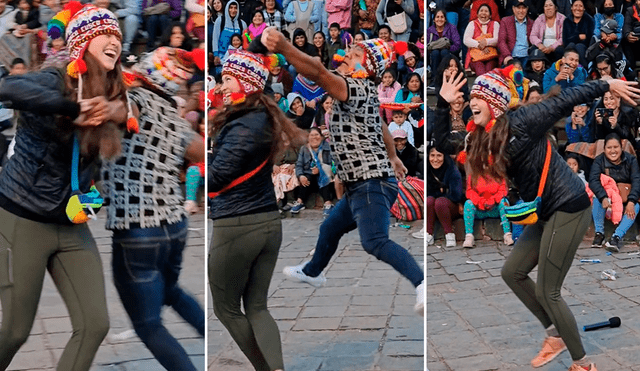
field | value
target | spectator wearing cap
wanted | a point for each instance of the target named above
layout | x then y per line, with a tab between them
536	66
513	39
608	43
577	28
407	153
631	33
607	12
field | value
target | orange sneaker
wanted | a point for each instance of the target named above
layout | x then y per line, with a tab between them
551	347
575	367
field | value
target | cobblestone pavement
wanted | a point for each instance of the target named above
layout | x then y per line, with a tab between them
475	322
362	319
121	350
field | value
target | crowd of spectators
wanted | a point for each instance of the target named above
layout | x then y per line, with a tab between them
325	29
558	44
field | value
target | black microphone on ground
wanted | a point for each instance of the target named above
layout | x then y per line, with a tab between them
612	322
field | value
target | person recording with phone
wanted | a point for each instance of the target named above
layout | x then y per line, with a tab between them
611	116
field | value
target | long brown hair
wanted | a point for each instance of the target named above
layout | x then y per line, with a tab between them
285	132
482	146
106	138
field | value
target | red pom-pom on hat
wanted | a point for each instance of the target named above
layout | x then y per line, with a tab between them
462	157
401	47
198	57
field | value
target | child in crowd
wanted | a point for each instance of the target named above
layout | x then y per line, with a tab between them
387	92
278	96
335	42
400	122
57	54
18	67
485	199
578	125
323	115
236	44
194	177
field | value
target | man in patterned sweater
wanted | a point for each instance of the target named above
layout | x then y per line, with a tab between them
365	157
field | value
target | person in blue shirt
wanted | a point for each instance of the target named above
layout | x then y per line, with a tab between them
565	72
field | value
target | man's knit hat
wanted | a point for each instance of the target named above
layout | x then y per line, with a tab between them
249	69
498	88
79	24
378	56
161	67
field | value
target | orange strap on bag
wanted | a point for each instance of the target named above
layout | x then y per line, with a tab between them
239	180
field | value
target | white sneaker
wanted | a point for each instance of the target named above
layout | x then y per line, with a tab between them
451	239
430	239
297	273
420	235
419	307
508	239
469	240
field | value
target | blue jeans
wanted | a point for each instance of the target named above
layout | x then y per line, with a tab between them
366	205
146	264
598	219
436	56
156	24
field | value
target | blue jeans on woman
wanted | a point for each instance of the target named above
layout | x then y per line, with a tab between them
598	219
436	56
366	205
156	24
146	264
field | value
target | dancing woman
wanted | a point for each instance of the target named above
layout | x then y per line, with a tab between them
512	144
36	234
248	135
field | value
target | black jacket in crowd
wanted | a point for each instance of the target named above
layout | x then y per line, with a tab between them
411	160
527	147
36	181
626	125
625	172
242	144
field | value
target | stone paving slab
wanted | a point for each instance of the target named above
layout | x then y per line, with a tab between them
52	326
362	319
475	322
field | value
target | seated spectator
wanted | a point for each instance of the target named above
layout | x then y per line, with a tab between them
536	66
129	17
176	36
608	43
407	153
248	9
366	18
514	34
412	92
443	31
284	177
273	16
607	10
450	66
631	33
339	11
309	90
566	72
481	37
315	172
303	15
444	193
27	17
254	29
389	8
408	62
579	127
322	120
613	117
235	44
195	23
57	54
622	167
546	33
387	91
534	95
7	16
300	41
224	27
335	41
606	65
384	32
575	163
320	42
299	112
157	15
486	199
400	123
459	114
576	30
278	96
359	36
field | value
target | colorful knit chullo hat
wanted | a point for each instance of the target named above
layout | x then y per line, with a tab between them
249	69
378	56
498	88
164	67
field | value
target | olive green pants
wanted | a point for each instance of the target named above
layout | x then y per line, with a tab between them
70	254
244	251
551	246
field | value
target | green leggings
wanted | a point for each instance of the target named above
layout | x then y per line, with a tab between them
243	254
551	246
70	254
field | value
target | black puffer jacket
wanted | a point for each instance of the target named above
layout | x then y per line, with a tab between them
35	182
625	172
528	145
239	148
